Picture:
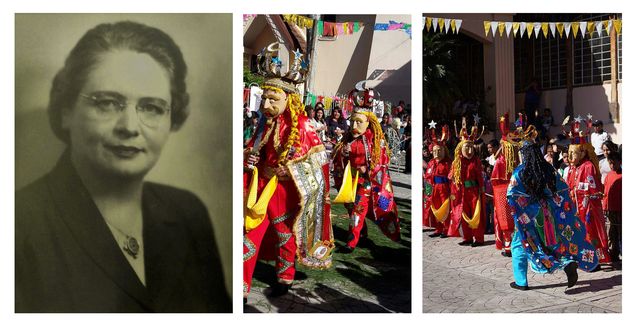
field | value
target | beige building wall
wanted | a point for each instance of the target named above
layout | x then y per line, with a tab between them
341	63
592	100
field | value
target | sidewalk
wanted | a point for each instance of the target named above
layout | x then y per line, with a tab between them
375	278
464	279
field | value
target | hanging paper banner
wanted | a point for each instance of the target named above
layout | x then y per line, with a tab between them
536	28
567	29
545	29
591	28
393	26
501	28
494	27
583	28
516	28
599	28
529	29
575	26
298	20
443	25
617	24
487	26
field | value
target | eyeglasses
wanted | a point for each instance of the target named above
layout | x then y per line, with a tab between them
109	105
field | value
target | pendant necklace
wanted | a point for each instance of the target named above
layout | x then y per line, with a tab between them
131	245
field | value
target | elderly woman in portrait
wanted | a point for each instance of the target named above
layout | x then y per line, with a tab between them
92	235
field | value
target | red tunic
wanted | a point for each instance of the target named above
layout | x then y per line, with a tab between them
374	194
586	191
438	191
613	192
466	198
503	220
296	210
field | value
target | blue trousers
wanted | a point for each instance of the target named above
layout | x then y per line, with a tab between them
519	262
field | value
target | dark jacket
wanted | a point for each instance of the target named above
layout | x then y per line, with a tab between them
68	261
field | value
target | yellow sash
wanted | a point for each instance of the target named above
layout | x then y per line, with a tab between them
441	213
256	208
347	193
475	221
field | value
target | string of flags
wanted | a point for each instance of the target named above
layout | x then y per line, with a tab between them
442	25
342	102
393	26
298	20
338	28
556	28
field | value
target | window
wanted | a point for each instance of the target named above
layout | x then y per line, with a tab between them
546	58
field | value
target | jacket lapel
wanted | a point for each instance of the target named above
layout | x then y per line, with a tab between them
83	219
166	243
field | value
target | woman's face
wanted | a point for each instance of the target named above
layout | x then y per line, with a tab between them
468	150
606	151
359	124
109	138
319	115
336	114
273	103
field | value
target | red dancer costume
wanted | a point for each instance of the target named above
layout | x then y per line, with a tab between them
366	150
586	188
296	221
437	207
467	190
506	162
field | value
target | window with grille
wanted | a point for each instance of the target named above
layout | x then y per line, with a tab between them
546	59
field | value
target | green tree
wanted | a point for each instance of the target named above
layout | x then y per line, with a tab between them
440	87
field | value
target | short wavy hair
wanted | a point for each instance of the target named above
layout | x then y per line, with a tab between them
125	35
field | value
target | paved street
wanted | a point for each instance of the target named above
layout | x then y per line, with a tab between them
464	279
375	278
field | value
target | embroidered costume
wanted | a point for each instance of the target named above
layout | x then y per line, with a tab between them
503	168
365	151
291	218
586	188
467	184
437	205
548	235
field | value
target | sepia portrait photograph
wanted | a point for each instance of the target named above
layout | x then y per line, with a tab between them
123	163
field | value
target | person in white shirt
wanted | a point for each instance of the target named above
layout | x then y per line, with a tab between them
598	138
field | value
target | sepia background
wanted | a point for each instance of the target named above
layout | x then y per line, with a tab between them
196	158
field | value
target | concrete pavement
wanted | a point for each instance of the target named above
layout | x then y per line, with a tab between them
464	279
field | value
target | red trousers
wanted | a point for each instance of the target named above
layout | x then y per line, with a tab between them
279	243
503	221
468	206
358	215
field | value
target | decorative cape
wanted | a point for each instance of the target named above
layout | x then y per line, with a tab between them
309	169
552	235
